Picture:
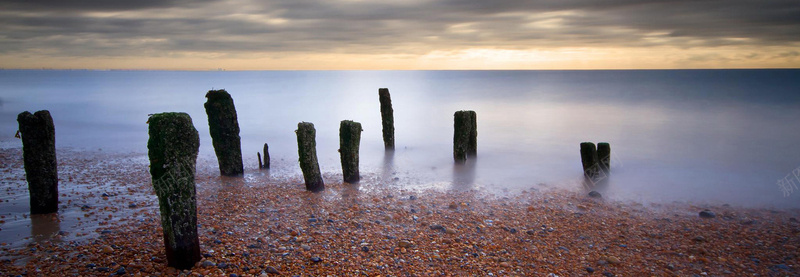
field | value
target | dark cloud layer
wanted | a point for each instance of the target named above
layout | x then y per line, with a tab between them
156	27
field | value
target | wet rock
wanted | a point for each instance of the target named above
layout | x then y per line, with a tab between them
272	270
404	244
699	239
316	259
121	271
595	194
208	264
612	259
778	267
103	269
707	214
107	249
589	269
437	227
608	274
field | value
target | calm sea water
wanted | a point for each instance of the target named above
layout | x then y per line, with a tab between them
707	136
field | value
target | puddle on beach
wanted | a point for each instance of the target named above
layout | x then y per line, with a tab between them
96	191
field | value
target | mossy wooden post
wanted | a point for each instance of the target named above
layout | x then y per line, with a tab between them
307	150
387	118
39	155
589	161
224	128
464	135
349	141
472	143
604	156
172	148
266	156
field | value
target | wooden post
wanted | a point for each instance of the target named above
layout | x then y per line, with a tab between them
589	162
604	155
387	118
464	135
349	141
224	129
260	165
472	144
307	150
266	156
172	149
39	155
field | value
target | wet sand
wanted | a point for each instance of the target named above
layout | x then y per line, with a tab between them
265	223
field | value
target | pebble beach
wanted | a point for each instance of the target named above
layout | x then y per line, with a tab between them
266	224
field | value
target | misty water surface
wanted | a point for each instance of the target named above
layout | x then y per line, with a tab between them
709	136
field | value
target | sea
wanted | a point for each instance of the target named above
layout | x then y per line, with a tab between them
687	136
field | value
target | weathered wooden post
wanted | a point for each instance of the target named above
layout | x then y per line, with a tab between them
39	155
260	165
464	135
266	156
172	148
224	129
604	155
307	150
387	118
589	162
349	141
472	144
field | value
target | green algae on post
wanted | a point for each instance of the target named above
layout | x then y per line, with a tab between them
464	135
472	144
172	149
349	141
604	155
39	155
307	150
387	118
224	128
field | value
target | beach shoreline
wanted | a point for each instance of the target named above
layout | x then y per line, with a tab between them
264	224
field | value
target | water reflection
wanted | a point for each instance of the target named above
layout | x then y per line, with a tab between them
387	170
44	227
464	175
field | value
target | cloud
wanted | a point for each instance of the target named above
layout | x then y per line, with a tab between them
91	5
239	28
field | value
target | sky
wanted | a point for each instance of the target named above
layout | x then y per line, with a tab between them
405	34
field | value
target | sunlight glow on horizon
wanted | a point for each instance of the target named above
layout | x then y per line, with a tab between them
577	58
